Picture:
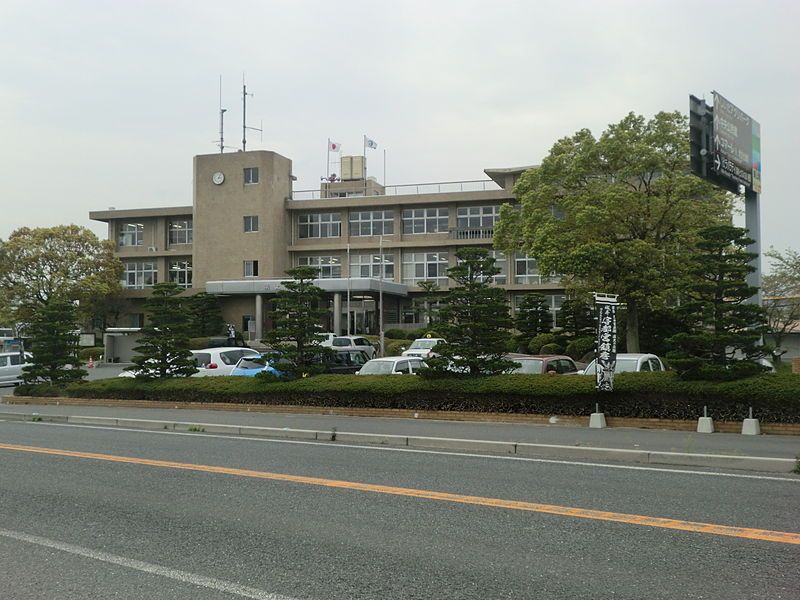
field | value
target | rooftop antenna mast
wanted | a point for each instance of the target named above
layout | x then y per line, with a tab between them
244	116
220	143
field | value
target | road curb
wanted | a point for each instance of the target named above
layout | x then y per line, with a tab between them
523	450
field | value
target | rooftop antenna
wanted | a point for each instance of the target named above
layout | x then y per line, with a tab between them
220	143
244	116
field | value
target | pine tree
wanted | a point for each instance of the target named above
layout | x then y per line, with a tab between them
297	322
533	317
163	349
206	315
725	330
475	320
53	331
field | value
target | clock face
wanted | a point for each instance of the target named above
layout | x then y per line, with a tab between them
218	177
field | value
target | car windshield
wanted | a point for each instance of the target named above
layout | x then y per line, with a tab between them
423	344
377	367
341	342
529	366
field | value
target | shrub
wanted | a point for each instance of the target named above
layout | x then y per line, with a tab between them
94	352
396	334
535	345
550	349
775	398
580	347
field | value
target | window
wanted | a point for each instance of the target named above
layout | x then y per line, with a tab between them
374	222
425	220
248	323
501	263
251	175
329	267
478	216
131	234
180	231
139	275
320	225
180	273
251	224
525	269
251	268
369	265
425	266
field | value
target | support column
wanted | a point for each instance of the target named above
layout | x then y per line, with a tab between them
259	317
752	218
337	313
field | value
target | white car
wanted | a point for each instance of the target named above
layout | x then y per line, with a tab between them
353	342
631	363
11	364
213	362
423	347
392	365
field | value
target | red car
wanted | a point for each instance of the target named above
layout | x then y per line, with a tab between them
541	364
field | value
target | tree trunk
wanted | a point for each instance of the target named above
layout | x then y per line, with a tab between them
632	327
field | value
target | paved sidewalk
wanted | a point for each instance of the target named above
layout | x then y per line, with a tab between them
773	446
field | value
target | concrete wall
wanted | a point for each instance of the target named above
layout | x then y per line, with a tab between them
219	212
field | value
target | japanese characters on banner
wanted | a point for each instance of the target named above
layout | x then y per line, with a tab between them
606	345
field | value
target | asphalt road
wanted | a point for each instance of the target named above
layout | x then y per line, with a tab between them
234	518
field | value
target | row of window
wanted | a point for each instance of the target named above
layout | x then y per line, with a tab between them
381	222
137	275
179	232
419	266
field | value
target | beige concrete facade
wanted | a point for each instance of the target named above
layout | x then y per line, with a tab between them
331	224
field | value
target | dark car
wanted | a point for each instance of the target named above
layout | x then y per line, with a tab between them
345	362
543	364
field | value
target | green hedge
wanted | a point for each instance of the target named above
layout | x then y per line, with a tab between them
93	351
774	398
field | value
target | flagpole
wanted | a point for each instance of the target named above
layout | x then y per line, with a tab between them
384	170
365	163
328	169
349	274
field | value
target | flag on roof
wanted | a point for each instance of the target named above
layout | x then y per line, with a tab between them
370	143
334	146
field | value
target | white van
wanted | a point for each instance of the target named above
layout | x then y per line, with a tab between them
11	364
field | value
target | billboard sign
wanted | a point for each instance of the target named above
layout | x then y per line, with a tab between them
736	145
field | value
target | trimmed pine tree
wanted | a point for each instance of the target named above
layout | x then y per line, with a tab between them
54	344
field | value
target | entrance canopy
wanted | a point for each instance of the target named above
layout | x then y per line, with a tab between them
358	285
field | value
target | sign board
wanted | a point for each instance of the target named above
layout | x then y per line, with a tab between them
606	349
736	145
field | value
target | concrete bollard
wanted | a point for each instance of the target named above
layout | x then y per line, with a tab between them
705	424
597	420
751	426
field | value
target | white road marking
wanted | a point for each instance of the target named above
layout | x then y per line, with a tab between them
138	565
343	446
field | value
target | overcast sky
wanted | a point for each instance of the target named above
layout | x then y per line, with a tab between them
105	103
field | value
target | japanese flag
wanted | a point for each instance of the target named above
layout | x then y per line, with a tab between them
334	146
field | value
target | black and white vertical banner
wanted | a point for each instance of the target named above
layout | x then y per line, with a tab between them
606	352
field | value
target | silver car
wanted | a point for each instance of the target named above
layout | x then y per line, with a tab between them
11	364
631	363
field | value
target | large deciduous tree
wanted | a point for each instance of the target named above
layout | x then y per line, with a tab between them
616	214
781	289
66	262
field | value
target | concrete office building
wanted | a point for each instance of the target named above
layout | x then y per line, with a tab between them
247	225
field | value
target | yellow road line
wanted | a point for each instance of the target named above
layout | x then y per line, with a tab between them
767	535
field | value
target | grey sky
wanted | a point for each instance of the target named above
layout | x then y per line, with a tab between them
105	103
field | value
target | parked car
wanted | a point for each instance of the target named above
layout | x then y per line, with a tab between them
328	338
345	362
250	366
392	365
213	362
423	347
11	364
631	363
353	342
539	364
